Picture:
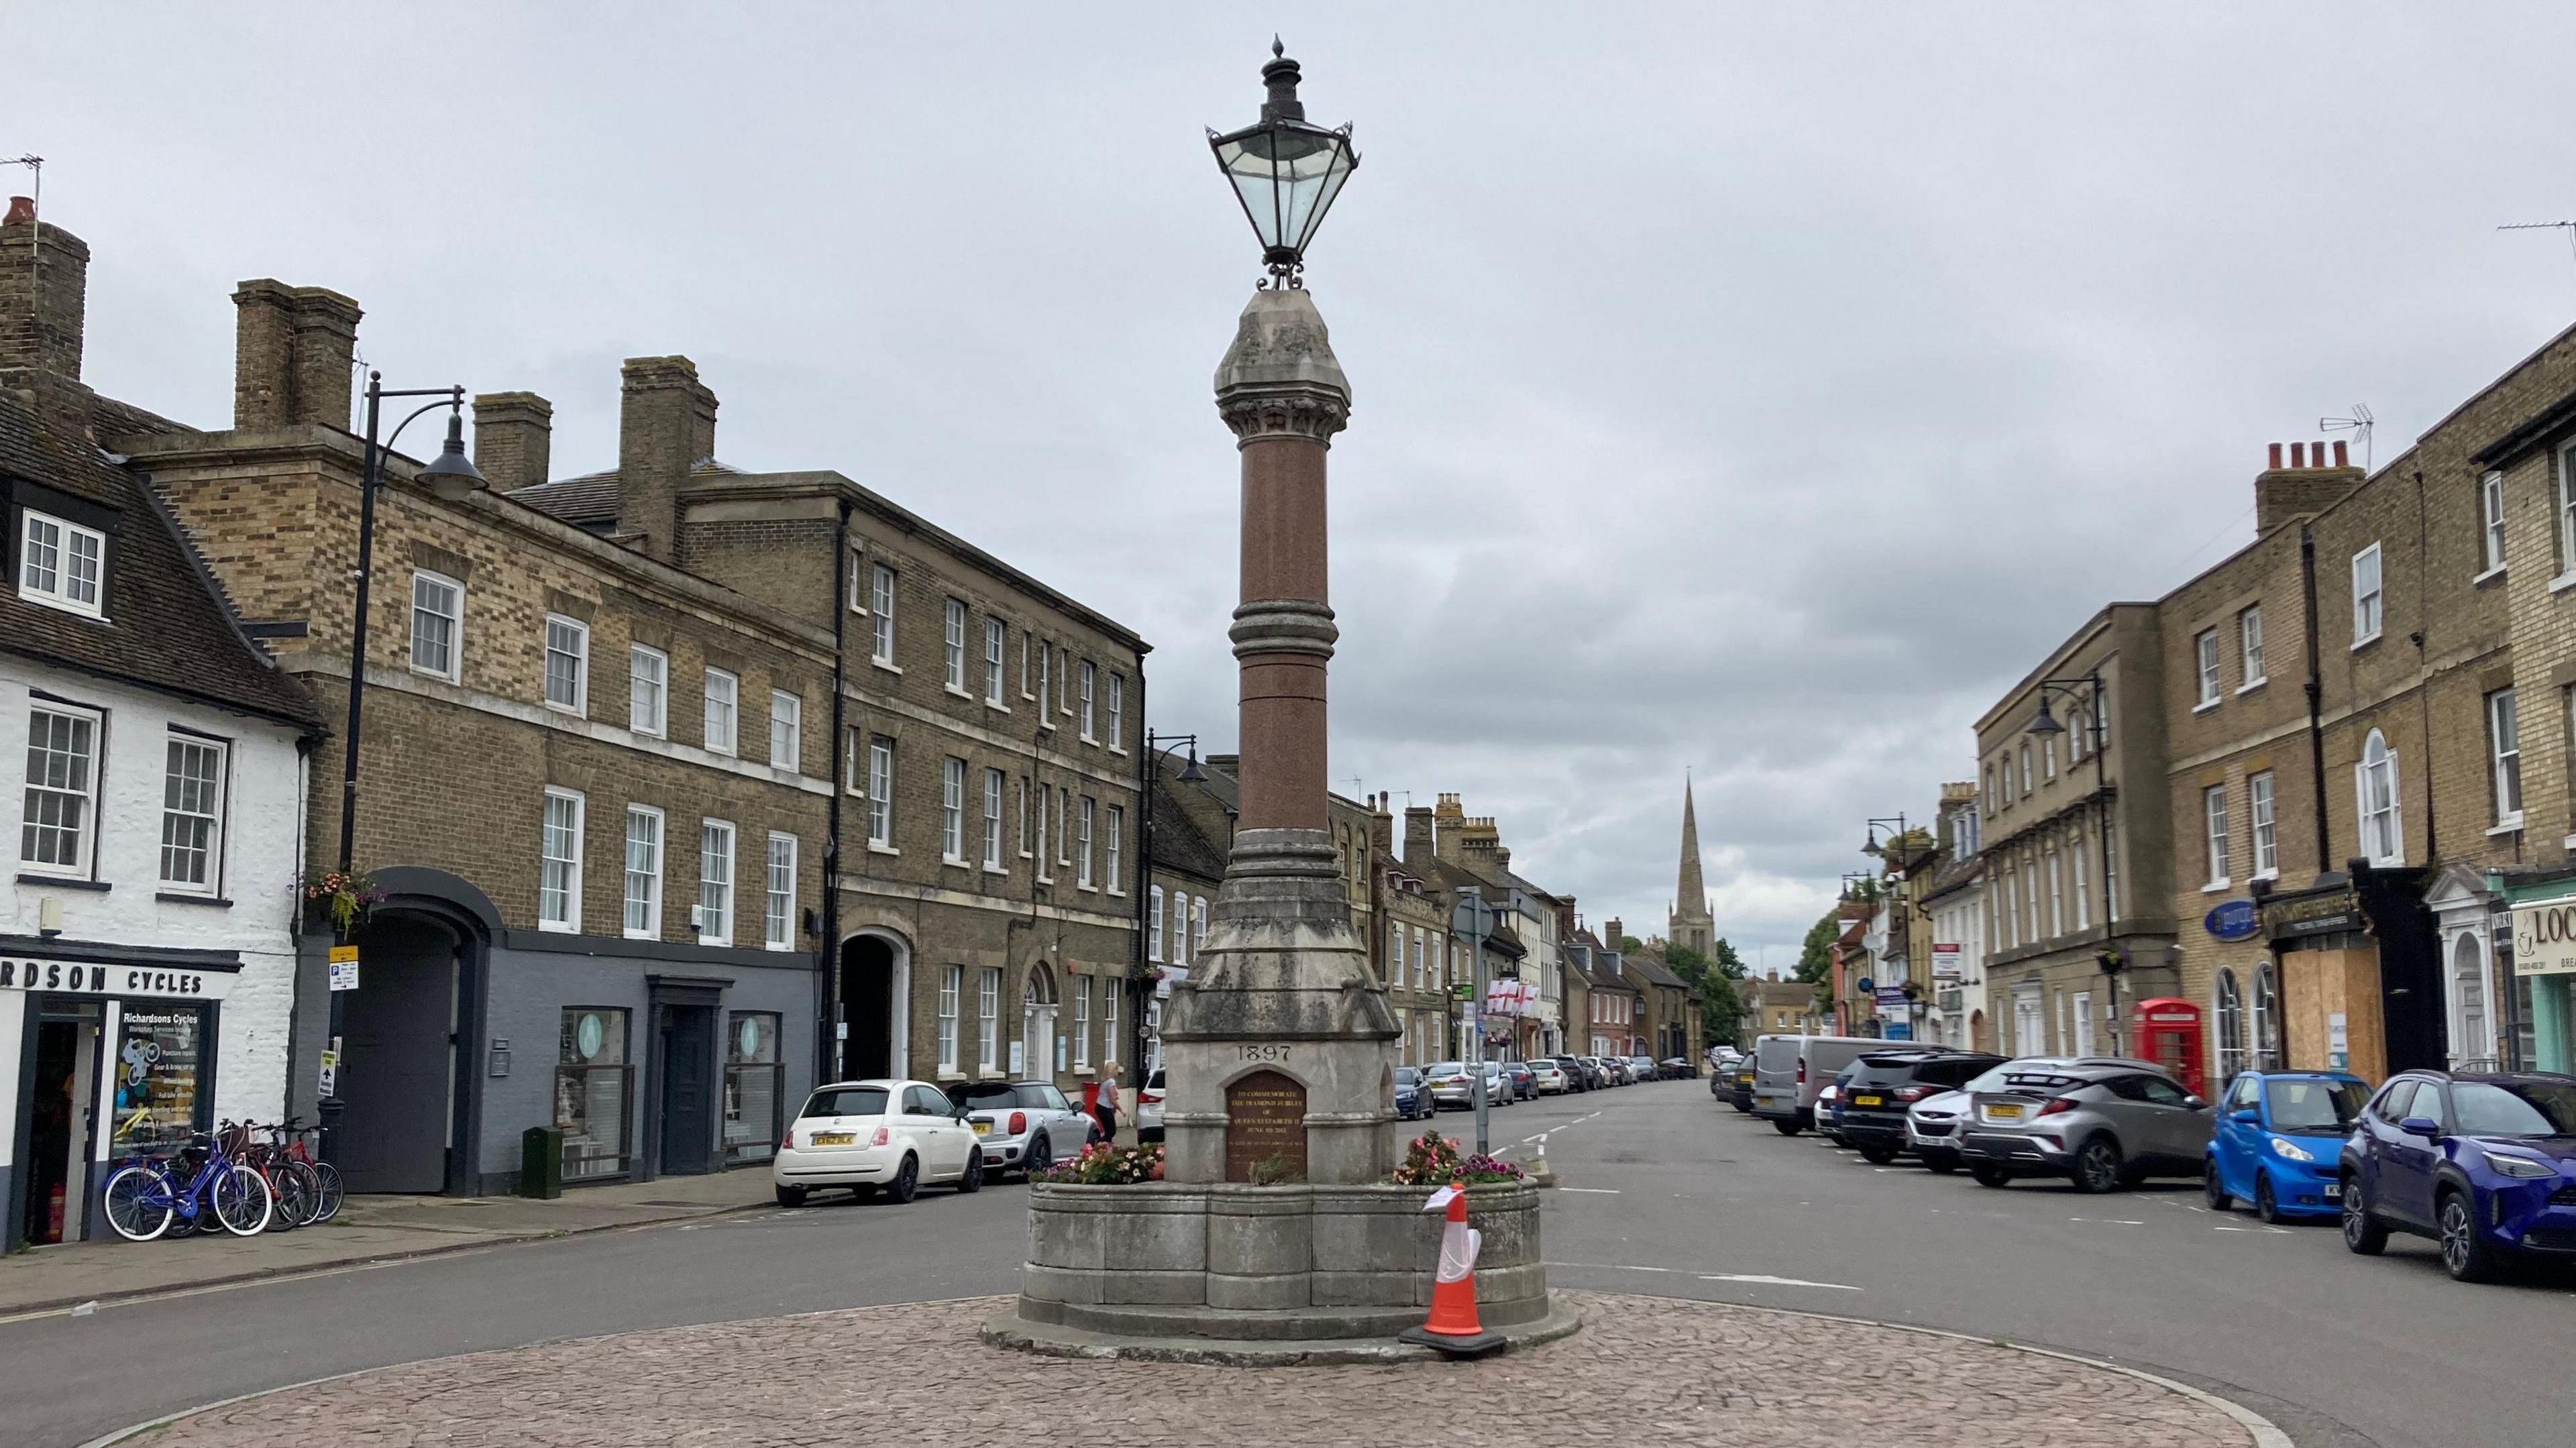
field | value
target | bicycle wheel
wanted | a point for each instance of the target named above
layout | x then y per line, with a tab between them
137	1204
309	1184
328	1202
242	1201
294	1200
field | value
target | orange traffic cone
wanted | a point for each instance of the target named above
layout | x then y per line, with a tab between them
1453	1328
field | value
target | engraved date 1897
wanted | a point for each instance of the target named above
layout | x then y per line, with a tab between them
1264	1053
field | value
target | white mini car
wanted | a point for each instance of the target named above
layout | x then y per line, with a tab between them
872	1136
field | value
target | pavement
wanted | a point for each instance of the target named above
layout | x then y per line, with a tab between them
1712	1374
367	1230
1666	1195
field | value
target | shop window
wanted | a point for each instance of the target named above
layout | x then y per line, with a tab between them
161	1098
593	1084
753	1084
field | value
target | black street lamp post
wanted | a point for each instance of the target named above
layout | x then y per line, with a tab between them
2087	687
1286	170
451	477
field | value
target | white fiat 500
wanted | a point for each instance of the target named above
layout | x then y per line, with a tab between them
871	1136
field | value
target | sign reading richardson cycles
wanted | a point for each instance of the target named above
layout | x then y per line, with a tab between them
2544	939
71	977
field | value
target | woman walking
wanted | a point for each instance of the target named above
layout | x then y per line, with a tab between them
1104	1103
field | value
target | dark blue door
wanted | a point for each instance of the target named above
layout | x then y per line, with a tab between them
688	1090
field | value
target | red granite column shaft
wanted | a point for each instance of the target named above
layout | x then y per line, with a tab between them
1282	702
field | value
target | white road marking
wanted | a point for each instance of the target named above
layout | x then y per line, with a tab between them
2282	1231
2107	1221
1611	1267
1595	1191
1761	1280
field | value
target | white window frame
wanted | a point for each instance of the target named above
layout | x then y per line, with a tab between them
2083	890
2491	521
723	711
1117	713
1110	989
1082	1022
2204	646
996	644
988	1021
880	792
568	918
2379	806
648	690
1116	859
952	985
786	731
2369	603
2056	895
2504	756
576	647
881	623
854	760
2249	648
1154	923
1046	684
952	811
1090	684
454	668
2048	757
648	905
2213	824
2261	811
1082	876
856	585
2566	529
716	894
1198	924
2025	770
993	822
180	813
57	581
778	907
952	640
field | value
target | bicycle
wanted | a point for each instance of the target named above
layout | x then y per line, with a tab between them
144	1199
297	1187
293	1135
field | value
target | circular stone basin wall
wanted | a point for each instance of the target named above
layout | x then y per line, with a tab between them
1223	1260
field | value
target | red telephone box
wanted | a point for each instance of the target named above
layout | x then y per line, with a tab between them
2167	1030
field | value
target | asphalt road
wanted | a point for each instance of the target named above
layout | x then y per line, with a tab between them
1665	1191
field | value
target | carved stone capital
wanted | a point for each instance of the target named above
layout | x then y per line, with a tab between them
1284	626
1259	415
1280	377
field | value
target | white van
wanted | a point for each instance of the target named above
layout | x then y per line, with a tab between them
1789	1072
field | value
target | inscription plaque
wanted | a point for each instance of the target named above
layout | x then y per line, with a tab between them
1265	1119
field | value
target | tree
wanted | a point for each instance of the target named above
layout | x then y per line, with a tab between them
1816	954
1713	975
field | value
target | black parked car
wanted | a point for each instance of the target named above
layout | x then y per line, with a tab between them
1740	1092
1576	1077
1886	1084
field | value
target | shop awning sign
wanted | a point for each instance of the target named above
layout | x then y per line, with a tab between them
1945	961
2232	920
2544	939
75	977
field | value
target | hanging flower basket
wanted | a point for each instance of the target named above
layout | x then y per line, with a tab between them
344	898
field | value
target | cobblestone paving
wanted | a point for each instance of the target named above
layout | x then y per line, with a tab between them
1644	1370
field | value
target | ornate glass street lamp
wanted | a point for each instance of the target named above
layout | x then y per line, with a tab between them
1286	170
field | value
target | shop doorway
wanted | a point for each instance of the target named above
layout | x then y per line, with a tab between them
868	1007
61	1124
1037	1025
688	1060
397	1079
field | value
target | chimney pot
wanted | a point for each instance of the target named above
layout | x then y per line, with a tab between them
2276	457
22	211
2298	454
2343	458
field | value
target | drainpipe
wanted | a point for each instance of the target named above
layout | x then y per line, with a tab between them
827	978
2316	692
2424	684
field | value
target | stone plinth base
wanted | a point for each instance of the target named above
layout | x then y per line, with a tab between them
1278	1269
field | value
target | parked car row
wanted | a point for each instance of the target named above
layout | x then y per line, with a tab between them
890	1138
2484	1163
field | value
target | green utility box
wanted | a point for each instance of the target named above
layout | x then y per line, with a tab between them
541	1162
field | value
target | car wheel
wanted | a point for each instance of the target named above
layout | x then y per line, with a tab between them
1743	1108
2362	1232
2097	1167
863	1193
1037	1158
791	1196
972	1179
2466	1253
1878	1155
1941	1162
2267	1206
1990	1176
2210	1189
907	1180
1787	1126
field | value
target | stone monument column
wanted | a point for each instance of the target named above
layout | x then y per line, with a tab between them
1283	1003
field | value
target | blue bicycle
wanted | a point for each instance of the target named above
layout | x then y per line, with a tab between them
145	1198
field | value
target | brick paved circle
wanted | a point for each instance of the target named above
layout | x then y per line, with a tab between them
1645	1370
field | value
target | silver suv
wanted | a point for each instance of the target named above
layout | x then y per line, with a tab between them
2103	1127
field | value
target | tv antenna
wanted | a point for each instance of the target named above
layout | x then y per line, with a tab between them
2358	425
2566	228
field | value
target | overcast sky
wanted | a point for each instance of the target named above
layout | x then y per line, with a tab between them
1758	391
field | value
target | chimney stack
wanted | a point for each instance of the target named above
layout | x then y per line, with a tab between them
294	352
666	426
513	439
2308	485
1613	931
44	291
1381	825
1417	838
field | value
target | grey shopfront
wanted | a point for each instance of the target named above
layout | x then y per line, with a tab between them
653	1058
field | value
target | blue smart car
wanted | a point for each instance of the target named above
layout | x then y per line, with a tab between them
2277	1140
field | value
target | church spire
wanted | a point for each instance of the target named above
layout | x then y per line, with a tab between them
1691	924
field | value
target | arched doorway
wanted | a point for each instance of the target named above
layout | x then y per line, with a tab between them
397	1080
2267	1019
1037	1024
876	977
2469	1038
1978	1038
2228	1021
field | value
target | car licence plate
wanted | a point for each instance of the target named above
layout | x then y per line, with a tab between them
2003	1113
834	1138
983	1128
2334	1191
1869	1101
